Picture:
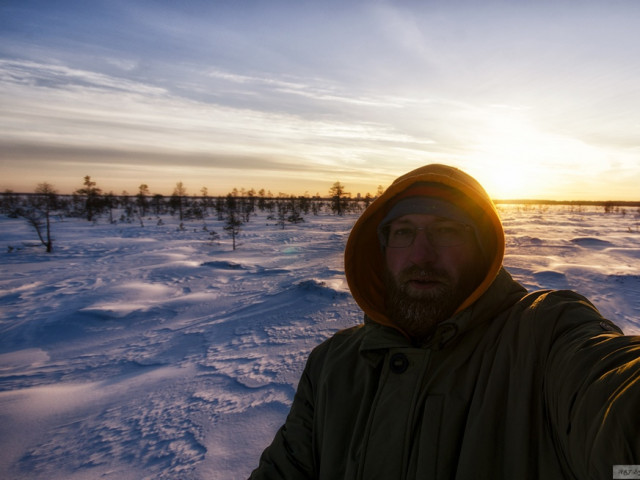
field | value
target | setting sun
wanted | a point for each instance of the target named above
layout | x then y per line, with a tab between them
516	160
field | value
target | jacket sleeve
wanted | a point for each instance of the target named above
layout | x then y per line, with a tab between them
290	455
591	388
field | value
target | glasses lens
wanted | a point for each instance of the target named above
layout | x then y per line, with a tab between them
440	234
448	234
401	236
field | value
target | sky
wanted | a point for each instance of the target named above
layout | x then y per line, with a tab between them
536	99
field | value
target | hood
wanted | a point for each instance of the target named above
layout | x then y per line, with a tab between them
364	258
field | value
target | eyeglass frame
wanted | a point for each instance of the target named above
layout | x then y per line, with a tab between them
428	230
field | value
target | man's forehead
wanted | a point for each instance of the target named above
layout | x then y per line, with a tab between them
419	218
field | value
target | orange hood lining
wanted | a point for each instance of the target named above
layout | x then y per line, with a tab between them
364	259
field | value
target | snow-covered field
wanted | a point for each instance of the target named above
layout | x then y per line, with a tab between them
151	352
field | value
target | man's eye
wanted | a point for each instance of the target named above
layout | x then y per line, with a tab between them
402	232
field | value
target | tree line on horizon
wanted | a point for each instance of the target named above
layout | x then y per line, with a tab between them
234	209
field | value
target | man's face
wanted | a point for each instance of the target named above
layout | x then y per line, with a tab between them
425	282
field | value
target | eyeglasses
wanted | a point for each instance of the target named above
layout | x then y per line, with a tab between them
440	234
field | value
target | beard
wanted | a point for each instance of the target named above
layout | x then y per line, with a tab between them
418	312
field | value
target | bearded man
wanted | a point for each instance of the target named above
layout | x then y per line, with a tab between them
457	371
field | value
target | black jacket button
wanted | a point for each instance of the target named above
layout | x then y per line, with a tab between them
399	363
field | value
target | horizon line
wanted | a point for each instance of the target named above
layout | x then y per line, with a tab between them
496	201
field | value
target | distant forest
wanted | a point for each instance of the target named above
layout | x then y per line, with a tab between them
43	206
607	204
90	201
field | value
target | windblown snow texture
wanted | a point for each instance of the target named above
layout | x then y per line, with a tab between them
133	353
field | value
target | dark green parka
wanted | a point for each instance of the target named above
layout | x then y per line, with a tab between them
513	386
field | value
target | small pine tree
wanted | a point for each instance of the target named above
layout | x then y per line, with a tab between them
205	202
338	198
38	213
233	226
158	204
91	194
142	199
219	205
178	199
110	202
281	218
295	217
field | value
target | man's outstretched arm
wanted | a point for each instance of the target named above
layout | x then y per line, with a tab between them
592	386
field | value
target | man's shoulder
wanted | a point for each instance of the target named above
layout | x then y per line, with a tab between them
557	311
556	302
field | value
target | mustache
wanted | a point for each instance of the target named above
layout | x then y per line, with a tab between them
425	274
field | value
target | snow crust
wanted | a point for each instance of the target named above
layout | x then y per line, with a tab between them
134	353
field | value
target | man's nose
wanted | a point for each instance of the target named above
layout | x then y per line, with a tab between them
422	250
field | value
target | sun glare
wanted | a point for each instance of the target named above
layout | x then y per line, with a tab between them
507	181
514	160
